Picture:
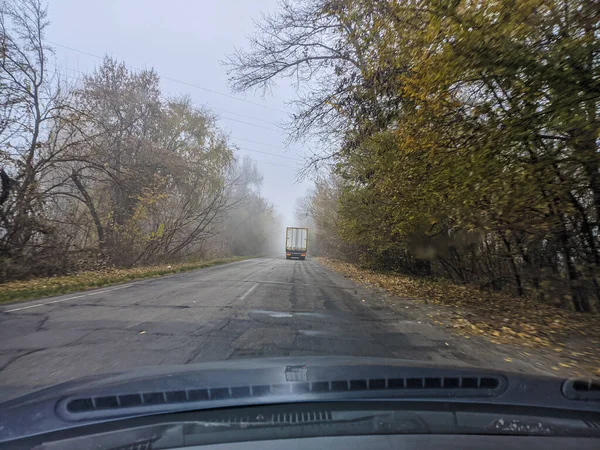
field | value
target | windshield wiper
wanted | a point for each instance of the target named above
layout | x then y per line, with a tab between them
287	421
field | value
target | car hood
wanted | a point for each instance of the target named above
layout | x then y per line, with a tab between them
163	389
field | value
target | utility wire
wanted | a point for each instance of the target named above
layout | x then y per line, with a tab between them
212	108
273	164
242	139
259	143
177	81
248	123
221	117
267	153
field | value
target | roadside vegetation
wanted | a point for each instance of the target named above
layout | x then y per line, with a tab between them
102	173
42	287
567	341
458	140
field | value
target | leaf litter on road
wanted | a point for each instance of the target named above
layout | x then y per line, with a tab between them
568	340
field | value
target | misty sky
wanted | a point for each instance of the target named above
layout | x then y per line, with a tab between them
185	40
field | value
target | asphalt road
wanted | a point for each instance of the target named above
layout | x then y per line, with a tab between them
253	308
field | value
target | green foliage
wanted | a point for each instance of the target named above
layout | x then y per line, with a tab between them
497	135
469	135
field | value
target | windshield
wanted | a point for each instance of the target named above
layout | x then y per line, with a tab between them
186	182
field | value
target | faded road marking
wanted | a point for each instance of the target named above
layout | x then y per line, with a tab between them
249	291
64	299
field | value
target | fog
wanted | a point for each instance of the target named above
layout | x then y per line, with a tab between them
122	144
184	41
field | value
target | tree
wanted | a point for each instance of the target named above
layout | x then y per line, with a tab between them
250	225
322	48
154	178
109	172
466	137
33	111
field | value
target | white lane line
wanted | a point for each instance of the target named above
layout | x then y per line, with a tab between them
249	291
64	299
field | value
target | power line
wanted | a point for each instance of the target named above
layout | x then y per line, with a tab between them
220	117
242	139
248	123
267	153
260	143
212	108
178	81
271	163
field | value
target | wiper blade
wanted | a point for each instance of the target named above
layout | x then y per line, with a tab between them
397	421
305	420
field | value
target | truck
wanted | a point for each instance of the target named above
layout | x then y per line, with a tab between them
295	242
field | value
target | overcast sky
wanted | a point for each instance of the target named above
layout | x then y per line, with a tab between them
184	41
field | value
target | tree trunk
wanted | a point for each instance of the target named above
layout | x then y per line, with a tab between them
580	299
90	204
513	266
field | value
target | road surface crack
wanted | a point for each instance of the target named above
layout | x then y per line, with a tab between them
227	322
17	357
40	326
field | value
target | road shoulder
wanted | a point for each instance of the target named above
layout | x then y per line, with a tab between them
16	292
557	354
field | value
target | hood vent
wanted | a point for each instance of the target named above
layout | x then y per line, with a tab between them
582	389
133	403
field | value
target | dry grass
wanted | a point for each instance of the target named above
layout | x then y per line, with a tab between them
43	287
572	339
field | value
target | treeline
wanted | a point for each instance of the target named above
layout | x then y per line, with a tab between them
462	136
107	170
